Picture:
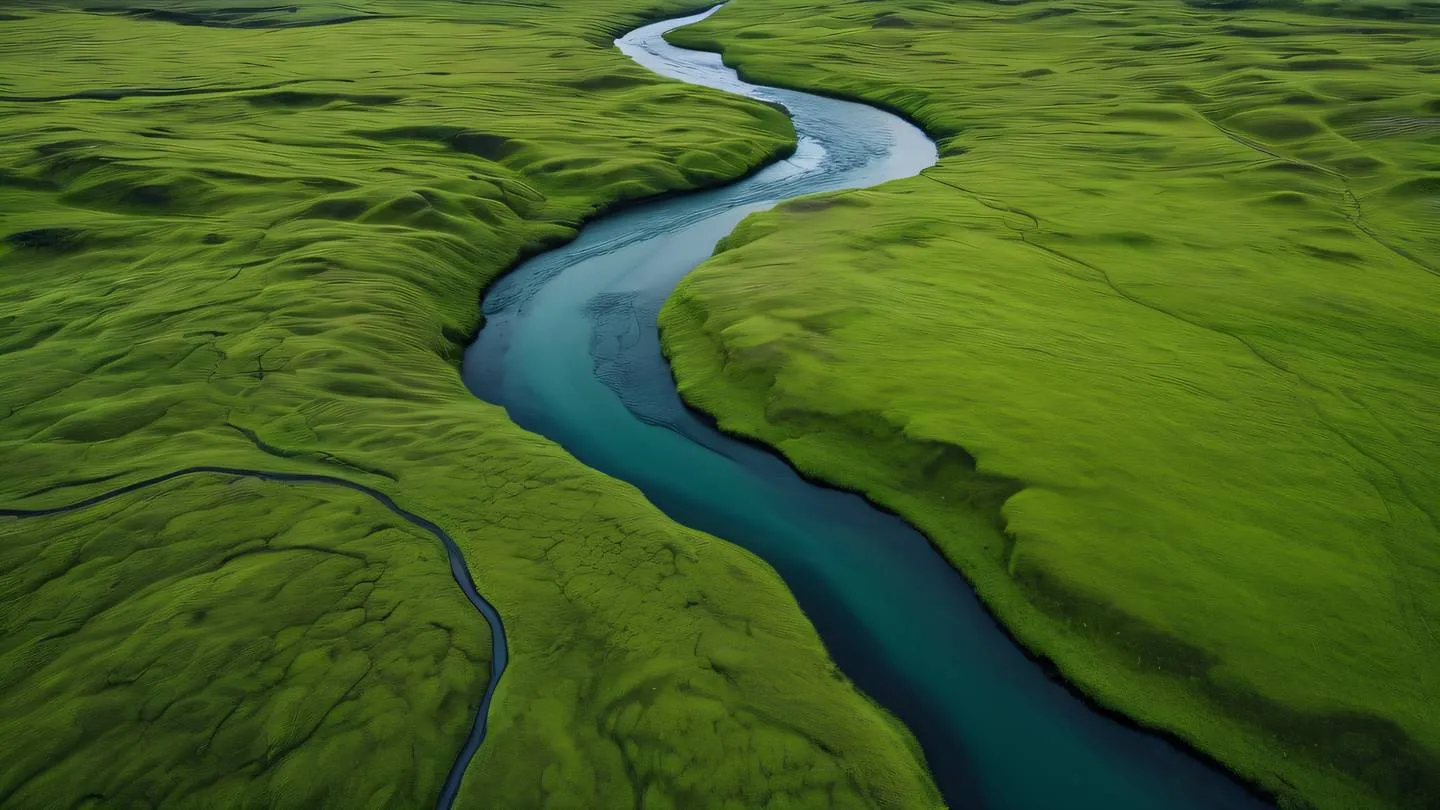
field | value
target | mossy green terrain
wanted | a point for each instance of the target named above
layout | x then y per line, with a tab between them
254	237
1151	354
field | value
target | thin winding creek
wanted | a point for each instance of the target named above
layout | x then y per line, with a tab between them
499	649
570	349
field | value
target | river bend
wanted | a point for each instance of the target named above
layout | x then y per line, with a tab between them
570	349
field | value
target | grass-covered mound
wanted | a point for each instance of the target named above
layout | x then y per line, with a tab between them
253	236
1152	354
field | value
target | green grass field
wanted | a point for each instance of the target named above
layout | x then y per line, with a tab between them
1152	354
255	237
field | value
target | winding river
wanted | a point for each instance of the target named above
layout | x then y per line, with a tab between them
570	349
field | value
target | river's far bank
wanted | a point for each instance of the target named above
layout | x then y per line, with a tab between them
1099	359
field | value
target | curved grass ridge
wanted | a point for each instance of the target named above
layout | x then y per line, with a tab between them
499	652
285	278
1174	274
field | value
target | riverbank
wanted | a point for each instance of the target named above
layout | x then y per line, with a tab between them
571	350
1146	355
253	239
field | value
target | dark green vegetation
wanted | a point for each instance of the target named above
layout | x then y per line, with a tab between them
1152	354
255	238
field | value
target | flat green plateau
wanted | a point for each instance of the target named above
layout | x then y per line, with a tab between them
1152	355
255	237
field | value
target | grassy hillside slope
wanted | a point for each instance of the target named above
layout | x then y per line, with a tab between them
254	237
1152	354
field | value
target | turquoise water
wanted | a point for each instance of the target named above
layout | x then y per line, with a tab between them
570	350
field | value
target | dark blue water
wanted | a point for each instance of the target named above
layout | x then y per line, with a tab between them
570	350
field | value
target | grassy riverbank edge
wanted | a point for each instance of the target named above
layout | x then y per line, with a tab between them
731	378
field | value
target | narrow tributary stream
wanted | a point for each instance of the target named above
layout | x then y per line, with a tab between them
570	349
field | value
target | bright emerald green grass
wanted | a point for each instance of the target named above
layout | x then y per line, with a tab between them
1152	354
254	237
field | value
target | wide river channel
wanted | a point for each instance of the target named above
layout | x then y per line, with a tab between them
570	349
